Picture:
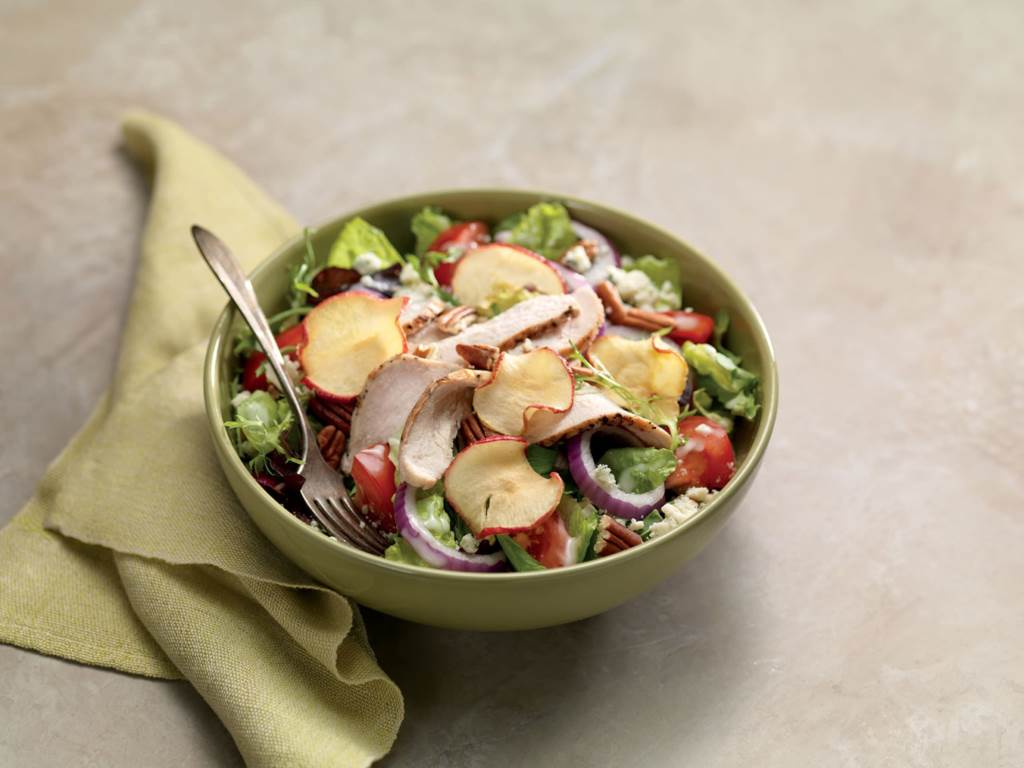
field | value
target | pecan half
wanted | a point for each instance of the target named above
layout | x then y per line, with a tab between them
332	444
417	318
614	537
472	431
621	314
480	356
338	415
456	320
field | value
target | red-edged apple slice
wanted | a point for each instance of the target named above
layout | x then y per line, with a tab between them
520	386
494	489
648	367
347	336
486	269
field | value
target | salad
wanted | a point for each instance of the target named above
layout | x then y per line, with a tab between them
513	395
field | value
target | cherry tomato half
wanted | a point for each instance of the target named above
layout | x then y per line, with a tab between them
706	459
468	233
691	326
547	542
293	337
374	475
465	235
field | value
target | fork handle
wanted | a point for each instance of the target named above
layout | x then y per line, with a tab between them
229	272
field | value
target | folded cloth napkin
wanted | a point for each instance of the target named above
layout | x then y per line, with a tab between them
135	555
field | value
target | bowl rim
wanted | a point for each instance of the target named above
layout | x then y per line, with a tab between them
759	443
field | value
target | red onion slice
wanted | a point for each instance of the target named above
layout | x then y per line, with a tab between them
614	501
570	277
430	549
607	255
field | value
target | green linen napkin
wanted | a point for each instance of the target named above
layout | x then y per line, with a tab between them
134	553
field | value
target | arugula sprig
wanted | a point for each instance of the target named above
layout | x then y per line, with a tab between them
302	274
596	374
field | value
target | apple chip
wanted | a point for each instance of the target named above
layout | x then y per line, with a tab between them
493	488
648	367
520	386
489	269
347	337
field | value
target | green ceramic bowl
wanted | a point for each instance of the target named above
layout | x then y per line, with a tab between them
507	600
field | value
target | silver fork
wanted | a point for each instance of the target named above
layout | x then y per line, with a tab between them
322	489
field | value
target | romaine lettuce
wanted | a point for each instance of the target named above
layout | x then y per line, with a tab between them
733	387
357	237
430	509
402	552
580	520
638	470
426	226
545	228
704	404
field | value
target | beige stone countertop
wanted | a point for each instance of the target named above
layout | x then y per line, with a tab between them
857	167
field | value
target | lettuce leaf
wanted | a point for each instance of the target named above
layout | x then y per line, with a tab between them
721	328
545	228
704	404
580	520
402	552
661	271
733	387
357	237
541	459
638	470
430	509
426	226
518	557
262	424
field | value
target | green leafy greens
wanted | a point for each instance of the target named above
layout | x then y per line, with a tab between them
262	423
426	226
518	557
302	274
541	459
638	470
357	237
733	387
401	551
580	520
544	228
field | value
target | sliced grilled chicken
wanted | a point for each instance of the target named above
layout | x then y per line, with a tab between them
428	440
387	399
591	408
527	318
579	330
